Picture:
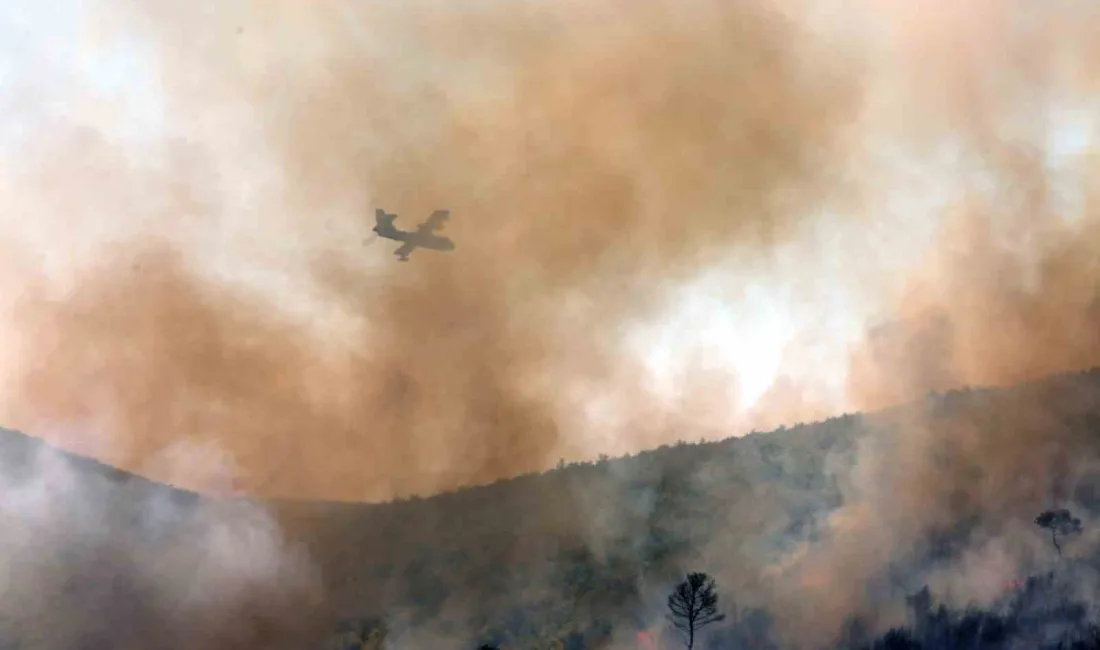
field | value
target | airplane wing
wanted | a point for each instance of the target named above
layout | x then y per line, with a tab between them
404	250
435	221
436	243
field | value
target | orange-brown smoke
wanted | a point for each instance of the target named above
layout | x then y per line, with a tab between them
591	157
1009	292
986	328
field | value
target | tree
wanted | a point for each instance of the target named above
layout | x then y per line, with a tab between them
694	605
1059	522
361	634
897	639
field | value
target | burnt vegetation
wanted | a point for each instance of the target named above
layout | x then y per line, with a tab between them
693	605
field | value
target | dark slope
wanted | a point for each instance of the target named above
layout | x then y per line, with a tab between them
93	557
20	453
589	548
585	553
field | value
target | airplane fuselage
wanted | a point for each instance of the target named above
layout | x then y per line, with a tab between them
422	237
415	239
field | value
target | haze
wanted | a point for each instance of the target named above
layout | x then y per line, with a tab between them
673	220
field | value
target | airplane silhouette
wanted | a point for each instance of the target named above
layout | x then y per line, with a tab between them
422	237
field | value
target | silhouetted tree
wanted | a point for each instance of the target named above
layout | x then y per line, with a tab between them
359	634
896	639
1059	522
694	605
855	633
1090	640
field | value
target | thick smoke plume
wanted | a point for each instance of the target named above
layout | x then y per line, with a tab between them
1009	292
591	158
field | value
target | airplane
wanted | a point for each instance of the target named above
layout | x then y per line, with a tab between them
422	237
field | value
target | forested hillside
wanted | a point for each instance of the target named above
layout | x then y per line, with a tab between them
913	527
549	555
585	555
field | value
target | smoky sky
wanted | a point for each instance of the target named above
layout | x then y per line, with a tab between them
200	265
1008	292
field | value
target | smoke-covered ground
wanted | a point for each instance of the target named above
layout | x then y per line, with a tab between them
798	526
188	188
93	558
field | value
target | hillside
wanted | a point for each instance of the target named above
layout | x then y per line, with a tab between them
95	557
587	552
20	455
584	555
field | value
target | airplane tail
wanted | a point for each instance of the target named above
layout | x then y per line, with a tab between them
383	222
